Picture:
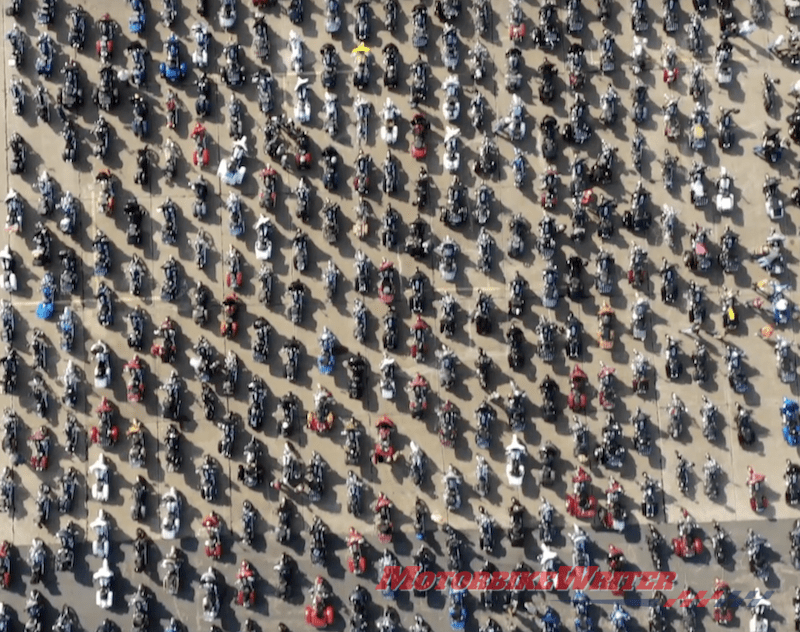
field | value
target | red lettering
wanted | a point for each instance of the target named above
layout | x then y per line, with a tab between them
576	576
441	579
424	581
648	581
499	581
537	579
627	578
516	580
461	580
480	581
702	600
530	581
601	580
550	580
684	597
398	578
666	580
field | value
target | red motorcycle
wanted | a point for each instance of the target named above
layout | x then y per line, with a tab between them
581	504
517	31
723	608
269	188
687	544
302	156
758	500
105	45
5	564
40	449
105	433
384	450
213	525
168	349
588	198
616	560
356	562
135	386
577	392
246	585
200	155
419	127
386	287
671	70
383	511
320	613
322	418
229	327
419	347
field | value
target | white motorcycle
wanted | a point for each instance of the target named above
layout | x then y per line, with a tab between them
390	115
202	39
171	518
451	158
302	105
331	111
227	14
515	470
102	371
451	107
639	54
668	223
759	608
263	242
100	488
296	52
7	263
724	199
101	546
388	387
104	578
238	154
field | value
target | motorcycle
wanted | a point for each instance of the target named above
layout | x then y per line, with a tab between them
755	481
515	455
450	45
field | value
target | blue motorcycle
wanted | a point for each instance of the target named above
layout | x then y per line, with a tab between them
326	361
46	308
551	622
783	311
137	21
458	611
790	418
486	417
584	624
173	69
619	619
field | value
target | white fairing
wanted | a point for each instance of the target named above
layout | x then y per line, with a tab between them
171	521
10	282
514	481
450	161
100	491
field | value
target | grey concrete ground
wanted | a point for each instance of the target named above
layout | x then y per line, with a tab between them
732	508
